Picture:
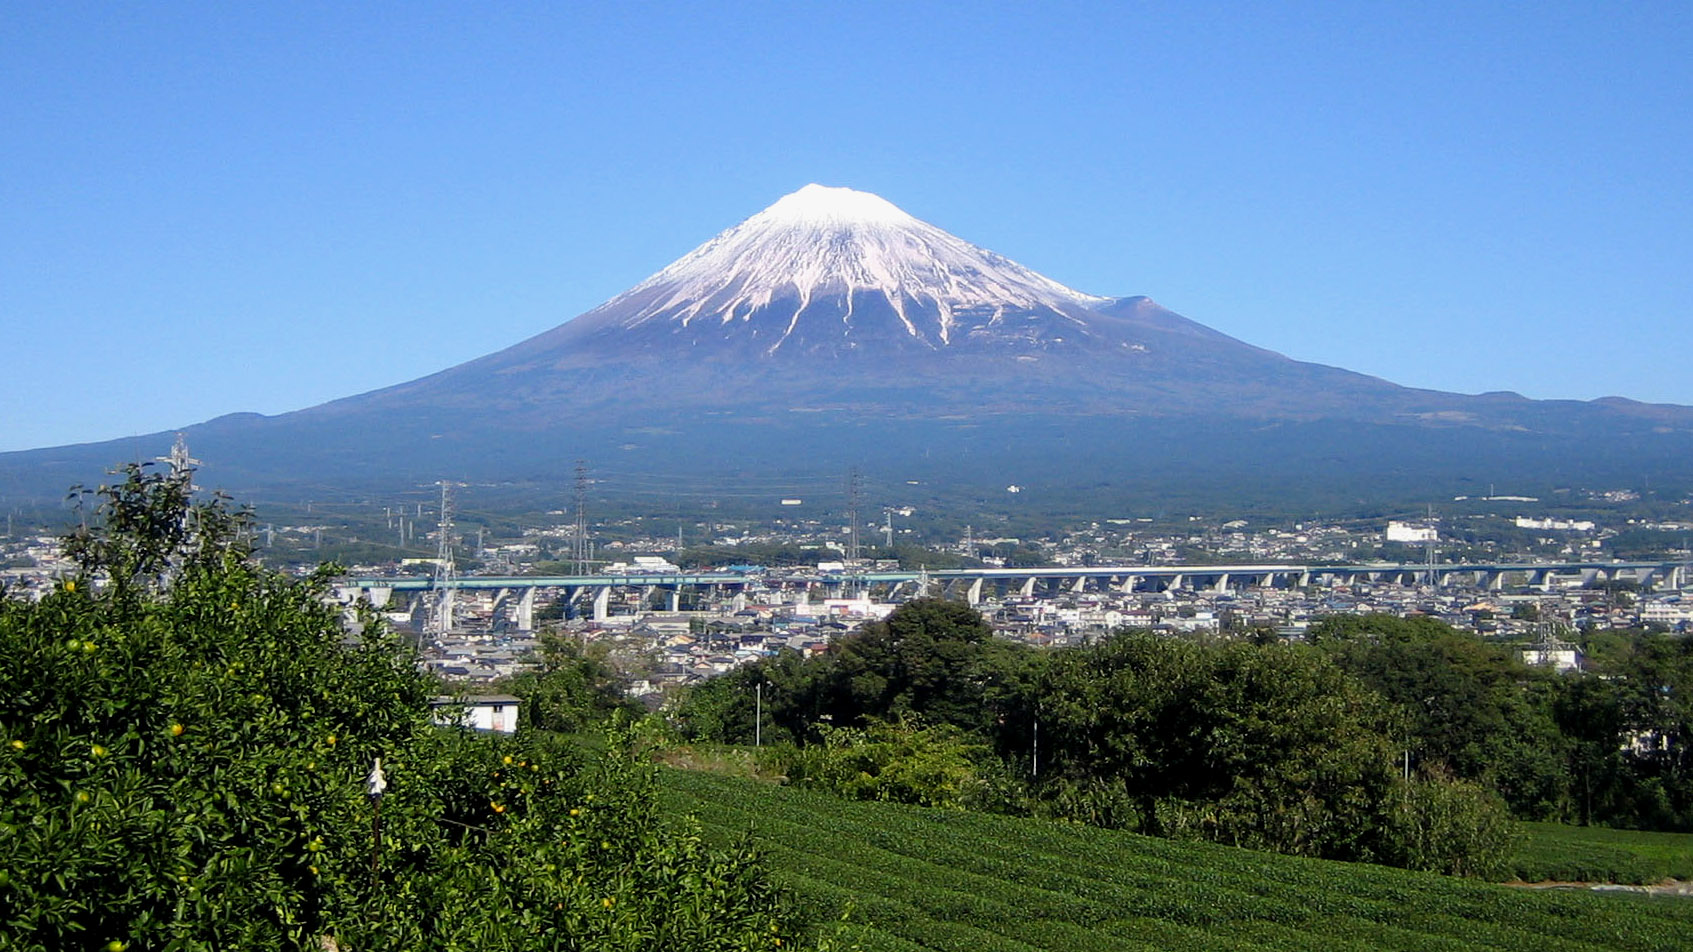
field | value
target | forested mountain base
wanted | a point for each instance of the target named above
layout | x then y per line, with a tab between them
911	879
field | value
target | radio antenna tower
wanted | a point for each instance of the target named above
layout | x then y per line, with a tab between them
445	574
579	536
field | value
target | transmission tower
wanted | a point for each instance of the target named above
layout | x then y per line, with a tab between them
181	464
441	620
1428	553
579	535
853	486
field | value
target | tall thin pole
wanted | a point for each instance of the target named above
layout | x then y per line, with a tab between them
375	838
1037	746
758	715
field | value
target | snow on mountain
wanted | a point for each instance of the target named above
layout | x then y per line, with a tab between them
834	268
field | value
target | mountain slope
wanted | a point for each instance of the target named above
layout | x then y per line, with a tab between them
835	298
833	328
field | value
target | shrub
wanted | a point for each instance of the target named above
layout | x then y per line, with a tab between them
898	762
1448	826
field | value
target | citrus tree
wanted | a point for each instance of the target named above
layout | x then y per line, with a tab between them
185	740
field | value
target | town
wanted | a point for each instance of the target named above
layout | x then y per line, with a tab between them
669	614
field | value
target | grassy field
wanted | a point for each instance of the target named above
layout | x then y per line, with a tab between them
917	879
1551	852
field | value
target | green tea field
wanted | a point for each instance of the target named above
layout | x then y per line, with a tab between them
913	879
1550	851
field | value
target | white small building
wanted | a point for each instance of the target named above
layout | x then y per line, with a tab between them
1411	532
1552	652
1669	612
496	713
1555	525
1558	659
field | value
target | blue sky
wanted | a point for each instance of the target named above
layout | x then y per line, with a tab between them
211	208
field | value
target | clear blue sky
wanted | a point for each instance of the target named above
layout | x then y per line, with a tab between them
209	208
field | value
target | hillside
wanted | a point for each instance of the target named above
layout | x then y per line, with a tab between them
916	879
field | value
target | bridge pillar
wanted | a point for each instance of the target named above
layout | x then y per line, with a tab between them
1080	585
974	595
676	599
1129	583
378	597
1222	583
602	602
1029	587
1496	581
526	610
1175	582
1589	576
1305	579
448	603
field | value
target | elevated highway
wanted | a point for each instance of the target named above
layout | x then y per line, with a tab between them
519	591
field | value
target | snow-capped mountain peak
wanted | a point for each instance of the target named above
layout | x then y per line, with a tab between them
835	269
821	204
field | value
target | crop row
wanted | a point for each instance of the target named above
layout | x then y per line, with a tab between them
1062	886
928	879
1554	852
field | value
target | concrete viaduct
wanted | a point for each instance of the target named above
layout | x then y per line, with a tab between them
517	592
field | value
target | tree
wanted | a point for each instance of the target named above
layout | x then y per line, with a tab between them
925	658
1470	708
572	688
787	690
183	748
1272	747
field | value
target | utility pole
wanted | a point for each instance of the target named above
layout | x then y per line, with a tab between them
758	715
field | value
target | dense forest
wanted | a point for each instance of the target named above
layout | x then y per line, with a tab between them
1400	741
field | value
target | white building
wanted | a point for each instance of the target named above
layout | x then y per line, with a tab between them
1555	525
1411	532
479	712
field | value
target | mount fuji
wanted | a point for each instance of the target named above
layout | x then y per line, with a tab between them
832	329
